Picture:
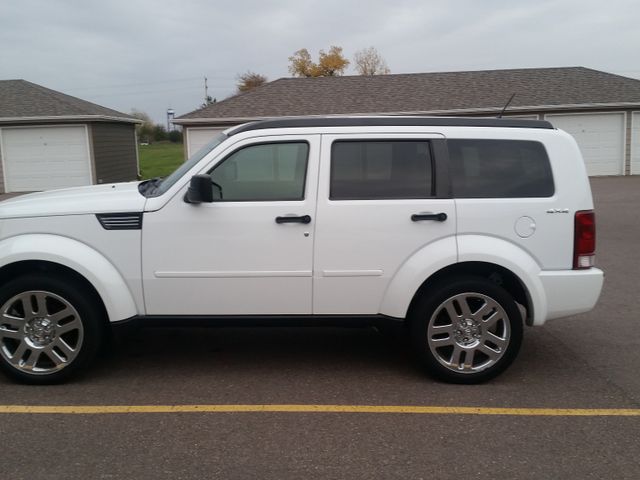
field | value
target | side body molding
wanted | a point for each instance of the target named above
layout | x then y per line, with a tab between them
79	257
414	271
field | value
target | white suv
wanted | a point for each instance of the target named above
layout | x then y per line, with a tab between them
461	229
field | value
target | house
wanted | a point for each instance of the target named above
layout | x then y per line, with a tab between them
601	110
52	140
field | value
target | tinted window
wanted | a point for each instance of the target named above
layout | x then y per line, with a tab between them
274	171
380	170
499	169
168	182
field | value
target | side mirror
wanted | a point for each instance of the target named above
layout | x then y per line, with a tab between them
200	190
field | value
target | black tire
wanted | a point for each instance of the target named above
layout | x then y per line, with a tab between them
465	352
83	329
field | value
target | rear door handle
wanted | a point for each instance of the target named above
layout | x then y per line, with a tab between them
294	219
438	217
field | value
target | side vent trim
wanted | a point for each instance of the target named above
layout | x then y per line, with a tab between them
120	221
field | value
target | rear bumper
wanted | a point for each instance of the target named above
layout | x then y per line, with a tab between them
569	292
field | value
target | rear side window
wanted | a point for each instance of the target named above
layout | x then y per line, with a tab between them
379	170
499	169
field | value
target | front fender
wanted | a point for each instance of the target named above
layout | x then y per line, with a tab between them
79	257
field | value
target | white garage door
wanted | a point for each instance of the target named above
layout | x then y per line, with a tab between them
44	158
600	138
199	137
635	144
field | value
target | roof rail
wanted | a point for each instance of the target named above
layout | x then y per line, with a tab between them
389	121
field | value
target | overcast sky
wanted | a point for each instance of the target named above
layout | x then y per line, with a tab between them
152	54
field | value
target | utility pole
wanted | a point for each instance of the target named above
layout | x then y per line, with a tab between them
206	92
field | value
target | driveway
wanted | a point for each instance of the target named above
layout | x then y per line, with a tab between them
267	397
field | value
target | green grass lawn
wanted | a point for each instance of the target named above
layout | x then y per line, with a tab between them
160	159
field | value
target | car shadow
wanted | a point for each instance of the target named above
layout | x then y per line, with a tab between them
245	350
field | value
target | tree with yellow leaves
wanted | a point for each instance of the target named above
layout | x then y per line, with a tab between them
331	64
249	81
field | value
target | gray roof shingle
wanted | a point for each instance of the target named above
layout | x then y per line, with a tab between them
486	90
22	99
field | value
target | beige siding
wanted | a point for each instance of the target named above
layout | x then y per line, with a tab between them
114	152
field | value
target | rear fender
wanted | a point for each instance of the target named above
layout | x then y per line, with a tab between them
413	273
433	258
482	248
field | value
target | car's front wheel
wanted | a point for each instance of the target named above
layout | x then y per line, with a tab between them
50	328
467	330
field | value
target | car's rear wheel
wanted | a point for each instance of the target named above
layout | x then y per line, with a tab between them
50	328
467	330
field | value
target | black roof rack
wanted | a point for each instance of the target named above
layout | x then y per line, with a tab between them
301	122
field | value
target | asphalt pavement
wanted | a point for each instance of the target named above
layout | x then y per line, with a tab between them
588	361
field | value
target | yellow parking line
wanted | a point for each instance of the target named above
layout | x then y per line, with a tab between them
425	410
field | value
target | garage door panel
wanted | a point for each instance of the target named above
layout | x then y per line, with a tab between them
199	137
600	138
45	158
72	156
635	144
38	182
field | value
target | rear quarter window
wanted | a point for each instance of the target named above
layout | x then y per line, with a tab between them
499	169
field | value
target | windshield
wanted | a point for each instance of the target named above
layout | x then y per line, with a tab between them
159	187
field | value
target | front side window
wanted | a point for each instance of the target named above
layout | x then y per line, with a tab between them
265	172
499	169
381	170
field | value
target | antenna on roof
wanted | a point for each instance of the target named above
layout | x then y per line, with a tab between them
505	107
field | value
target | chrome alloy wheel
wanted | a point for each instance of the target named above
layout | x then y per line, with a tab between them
40	332
468	332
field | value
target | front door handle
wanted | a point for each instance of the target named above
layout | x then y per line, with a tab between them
438	217
294	219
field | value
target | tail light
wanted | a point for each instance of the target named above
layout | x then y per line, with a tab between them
584	247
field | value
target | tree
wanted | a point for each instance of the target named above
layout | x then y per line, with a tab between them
159	133
148	131
175	136
144	131
249	81
208	101
331	64
369	62
301	64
